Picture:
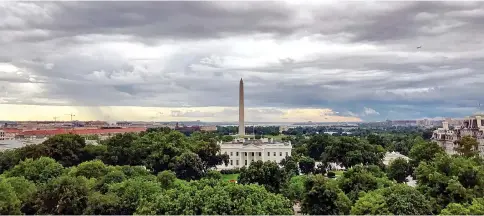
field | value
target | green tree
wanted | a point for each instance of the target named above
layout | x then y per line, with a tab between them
39	170
103	204
294	188
316	145
121	149
423	151
8	159
398	199
290	166
214	174
467	146
455	209
359	179
167	179
268	174
25	191
475	208
63	195
399	170
67	149
350	151
376	139
323	197
132	191
91	169
451	179
9	202
94	152
227	138
113	176
206	197
209	153
164	150
306	164
189	166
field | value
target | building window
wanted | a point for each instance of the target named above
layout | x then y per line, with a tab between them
268	154
246	162
236	153
252	154
231	163
287	154
237	162
231	154
260	154
246	154
280	154
226	164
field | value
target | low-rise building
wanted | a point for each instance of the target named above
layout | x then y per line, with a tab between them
209	128
390	156
100	132
244	151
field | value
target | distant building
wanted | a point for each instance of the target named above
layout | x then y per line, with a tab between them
8	133
404	123
471	126
96	124
35	134
390	156
208	128
283	128
13	144
243	151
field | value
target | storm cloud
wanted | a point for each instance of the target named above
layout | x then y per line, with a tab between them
354	58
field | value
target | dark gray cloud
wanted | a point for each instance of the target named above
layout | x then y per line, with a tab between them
357	58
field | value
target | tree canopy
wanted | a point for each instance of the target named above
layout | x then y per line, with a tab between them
162	171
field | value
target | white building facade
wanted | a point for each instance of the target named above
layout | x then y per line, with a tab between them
243	152
390	156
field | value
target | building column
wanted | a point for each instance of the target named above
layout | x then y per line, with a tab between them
263	152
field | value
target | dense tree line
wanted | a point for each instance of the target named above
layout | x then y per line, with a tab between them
165	172
257	130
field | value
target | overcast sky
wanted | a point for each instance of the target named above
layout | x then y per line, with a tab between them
344	61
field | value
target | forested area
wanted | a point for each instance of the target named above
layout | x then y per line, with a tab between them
165	172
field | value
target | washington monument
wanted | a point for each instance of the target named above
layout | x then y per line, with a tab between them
241	109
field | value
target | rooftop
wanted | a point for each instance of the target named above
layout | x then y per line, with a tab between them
79	131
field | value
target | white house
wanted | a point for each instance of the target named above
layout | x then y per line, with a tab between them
242	152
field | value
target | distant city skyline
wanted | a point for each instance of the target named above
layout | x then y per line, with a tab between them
320	61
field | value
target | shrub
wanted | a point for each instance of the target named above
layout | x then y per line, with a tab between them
230	171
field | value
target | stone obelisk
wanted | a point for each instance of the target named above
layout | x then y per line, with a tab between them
241	109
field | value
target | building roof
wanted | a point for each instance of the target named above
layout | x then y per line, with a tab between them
79	131
262	146
11	130
11	144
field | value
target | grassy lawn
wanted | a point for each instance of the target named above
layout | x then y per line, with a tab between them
228	177
339	173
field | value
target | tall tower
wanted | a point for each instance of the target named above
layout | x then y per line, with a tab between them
241	109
